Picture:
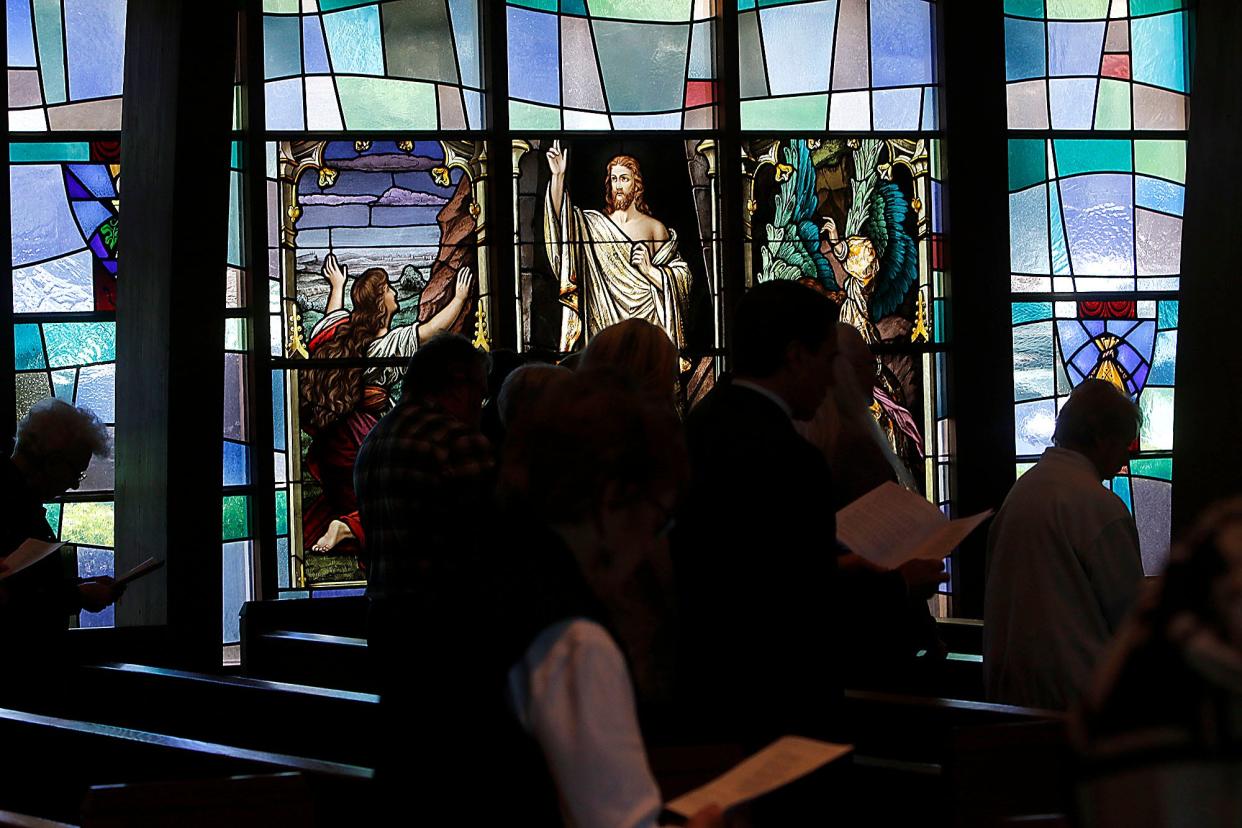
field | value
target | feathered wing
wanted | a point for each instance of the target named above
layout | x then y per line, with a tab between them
897	252
792	248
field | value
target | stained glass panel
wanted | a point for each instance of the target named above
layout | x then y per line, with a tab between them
353	64
66	64
65	232
1095	214
396	223
840	65
607	64
859	219
1097	65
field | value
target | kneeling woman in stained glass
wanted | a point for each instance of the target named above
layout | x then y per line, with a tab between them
340	405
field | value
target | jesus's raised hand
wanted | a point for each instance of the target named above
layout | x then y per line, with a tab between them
558	159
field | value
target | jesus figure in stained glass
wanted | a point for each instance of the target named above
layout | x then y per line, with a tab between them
625	259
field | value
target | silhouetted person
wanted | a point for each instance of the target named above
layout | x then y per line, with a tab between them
754	550
424	479
53	450
639	351
1063	561
503	363
1161	725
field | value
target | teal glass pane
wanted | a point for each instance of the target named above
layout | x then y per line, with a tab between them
27	348
79	343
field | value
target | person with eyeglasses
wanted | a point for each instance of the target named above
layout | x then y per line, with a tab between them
51	455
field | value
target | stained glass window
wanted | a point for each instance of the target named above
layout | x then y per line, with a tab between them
392	220
64	225
860	219
1097	64
1096	224
66	61
839	65
612	64
363	64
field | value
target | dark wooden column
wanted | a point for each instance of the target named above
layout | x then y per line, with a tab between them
170	326
501	222
1207	460
981	375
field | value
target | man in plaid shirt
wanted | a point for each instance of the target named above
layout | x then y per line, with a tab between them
424	475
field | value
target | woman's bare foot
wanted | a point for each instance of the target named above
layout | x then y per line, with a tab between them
338	530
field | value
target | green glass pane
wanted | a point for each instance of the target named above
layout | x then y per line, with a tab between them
381	103
1163	159
418	41
1077	9
533	116
541	5
1025	8
236	517
1166	312
29	389
53	517
1141	7
234	334
1161	468
89	524
79	343
1028	163
654	84
235	217
282	512
1076	156
57	151
27	348
805	112
1031	312
662	10
1112	107
1157	431
286	6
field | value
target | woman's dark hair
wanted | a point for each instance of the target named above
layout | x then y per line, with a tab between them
590	430
328	394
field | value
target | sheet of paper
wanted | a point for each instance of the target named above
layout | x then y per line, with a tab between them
145	568
30	552
780	763
887	523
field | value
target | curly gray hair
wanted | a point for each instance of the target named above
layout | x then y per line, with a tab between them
52	425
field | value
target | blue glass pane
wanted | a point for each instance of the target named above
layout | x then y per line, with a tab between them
313	48
1099	221
354	41
1156	194
236	587
95	42
20	34
1075	48
236	464
44	228
534	73
794	37
1158	45
901	53
1028	230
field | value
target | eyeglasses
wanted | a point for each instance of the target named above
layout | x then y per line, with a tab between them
669	521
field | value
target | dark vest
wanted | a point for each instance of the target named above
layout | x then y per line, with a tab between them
447	686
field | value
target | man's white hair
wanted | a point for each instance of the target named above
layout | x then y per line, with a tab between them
53	426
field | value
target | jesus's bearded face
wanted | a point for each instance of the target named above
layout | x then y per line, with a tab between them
621	187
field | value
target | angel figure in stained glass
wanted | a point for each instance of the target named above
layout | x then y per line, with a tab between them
626	260
340	405
868	271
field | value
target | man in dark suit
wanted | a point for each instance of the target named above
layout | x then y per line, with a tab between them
755	543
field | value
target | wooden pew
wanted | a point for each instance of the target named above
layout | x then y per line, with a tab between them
253	713
238	801
307	641
49	763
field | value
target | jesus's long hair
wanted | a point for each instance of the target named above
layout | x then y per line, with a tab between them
630	163
329	394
